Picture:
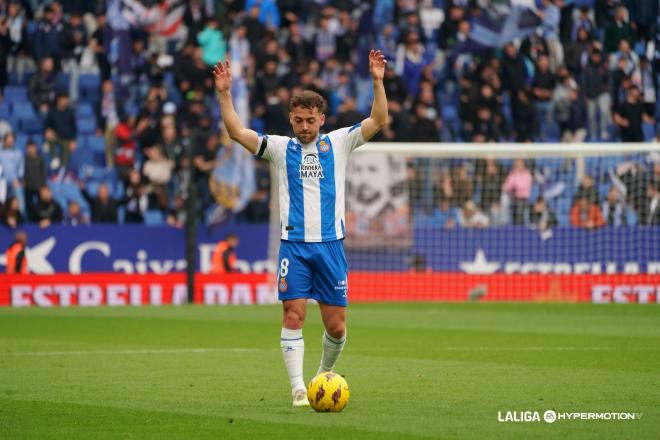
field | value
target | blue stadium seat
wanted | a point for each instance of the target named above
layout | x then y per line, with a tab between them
5	111
80	160
90	87
95	143
649	131
21	141
15	94
23	110
86	126
84	110
24	80
30	125
153	217
62	82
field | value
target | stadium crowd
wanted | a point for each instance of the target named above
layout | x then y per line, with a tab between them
108	112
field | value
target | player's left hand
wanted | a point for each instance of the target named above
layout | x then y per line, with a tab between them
377	64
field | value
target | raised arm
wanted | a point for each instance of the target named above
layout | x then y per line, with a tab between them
378	118
244	136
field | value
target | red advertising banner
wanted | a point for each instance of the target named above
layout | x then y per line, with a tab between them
114	289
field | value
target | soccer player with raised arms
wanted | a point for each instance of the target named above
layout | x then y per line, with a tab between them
312	175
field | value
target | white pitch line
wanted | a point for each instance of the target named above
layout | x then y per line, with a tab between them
130	352
525	349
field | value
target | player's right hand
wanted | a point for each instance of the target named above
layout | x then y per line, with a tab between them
222	76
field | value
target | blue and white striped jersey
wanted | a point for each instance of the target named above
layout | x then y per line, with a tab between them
312	180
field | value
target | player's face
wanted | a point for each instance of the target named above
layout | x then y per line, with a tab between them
306	123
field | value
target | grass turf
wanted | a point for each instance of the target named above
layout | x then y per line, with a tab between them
415	371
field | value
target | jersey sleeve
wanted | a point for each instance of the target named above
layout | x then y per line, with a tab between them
271	148
349	138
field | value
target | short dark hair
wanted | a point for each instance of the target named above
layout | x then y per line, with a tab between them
308	99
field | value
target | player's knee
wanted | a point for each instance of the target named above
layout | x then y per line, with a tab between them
293	319
336	329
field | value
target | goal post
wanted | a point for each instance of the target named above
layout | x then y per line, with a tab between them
505	221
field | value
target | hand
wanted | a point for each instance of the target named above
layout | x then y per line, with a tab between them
377	64
222	76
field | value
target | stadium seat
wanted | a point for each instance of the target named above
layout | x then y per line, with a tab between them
30	125
23	110
80	159
5	111
84	110
21	141
90	87
86	126
153	217
62	82
15	94
95	143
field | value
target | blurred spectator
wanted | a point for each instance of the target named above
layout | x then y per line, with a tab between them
136	200
16	255
651	208
176	215
204	162
595	84
614	208
10	213
348	114
574	127
514	72
647	87
107	112
618	29
587	189
61	131
518	186
212	41
73	41
541	217
445	216
5	44
491	177
472	217
258	208
630	115
550	16
224	255
645	15
411	59
577	52
14	34
13	163
426	124
125	148
525	117
195	17
5	129
74	216
462	185
48	36
35	178
158	170
585	214
41	90
542	88
103	206
582	22
3	186
47	211
325	44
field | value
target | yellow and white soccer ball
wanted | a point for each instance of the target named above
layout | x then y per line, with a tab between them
328	392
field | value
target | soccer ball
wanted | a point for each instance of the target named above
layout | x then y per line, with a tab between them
328	392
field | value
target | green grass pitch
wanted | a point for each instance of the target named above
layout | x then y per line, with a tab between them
415	371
